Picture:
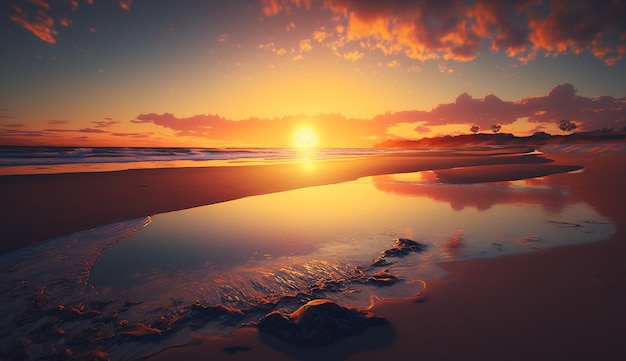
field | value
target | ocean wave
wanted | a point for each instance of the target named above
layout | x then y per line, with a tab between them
47	155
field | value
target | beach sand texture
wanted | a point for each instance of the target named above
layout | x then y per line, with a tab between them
556	304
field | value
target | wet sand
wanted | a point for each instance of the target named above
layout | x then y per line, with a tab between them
37	207
563	303
556	304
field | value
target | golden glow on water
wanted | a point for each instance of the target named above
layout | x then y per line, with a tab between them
275	251
352	222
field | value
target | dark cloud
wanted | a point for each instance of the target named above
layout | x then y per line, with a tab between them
57	122
134	135
105	123
83	130
196	126
561	102
92	130
14	136
422	129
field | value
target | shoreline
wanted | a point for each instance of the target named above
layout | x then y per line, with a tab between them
561	303
63	203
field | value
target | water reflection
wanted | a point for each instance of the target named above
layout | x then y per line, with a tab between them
344	224
481	196
235	261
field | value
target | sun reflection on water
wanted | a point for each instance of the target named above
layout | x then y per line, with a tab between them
235	261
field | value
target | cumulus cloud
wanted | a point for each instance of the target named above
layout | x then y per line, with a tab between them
457	29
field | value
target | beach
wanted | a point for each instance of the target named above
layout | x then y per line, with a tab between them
559	303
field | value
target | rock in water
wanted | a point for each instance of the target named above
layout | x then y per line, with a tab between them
318	323
402	247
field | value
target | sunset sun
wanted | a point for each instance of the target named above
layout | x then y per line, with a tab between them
305	138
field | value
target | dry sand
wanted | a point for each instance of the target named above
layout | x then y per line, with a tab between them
557	304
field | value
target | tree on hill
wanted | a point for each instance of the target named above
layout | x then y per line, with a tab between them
566	125
474	129
496	128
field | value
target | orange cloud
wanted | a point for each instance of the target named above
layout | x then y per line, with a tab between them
305	45
40	17
353	56
393	65
40	3
65	22
273	7
579	26
456	29
42	26
125	4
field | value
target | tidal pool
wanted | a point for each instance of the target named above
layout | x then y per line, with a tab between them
247	257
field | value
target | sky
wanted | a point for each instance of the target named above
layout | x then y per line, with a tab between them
346	73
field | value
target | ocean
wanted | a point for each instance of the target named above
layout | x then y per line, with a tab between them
49	159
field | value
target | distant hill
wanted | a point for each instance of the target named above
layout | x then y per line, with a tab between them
539	138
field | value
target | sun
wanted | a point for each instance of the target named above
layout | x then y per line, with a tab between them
305	138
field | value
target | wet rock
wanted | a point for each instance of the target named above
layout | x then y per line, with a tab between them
383	278
380	262
94	355
140	331
96	333
200	315
319	322
402	247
